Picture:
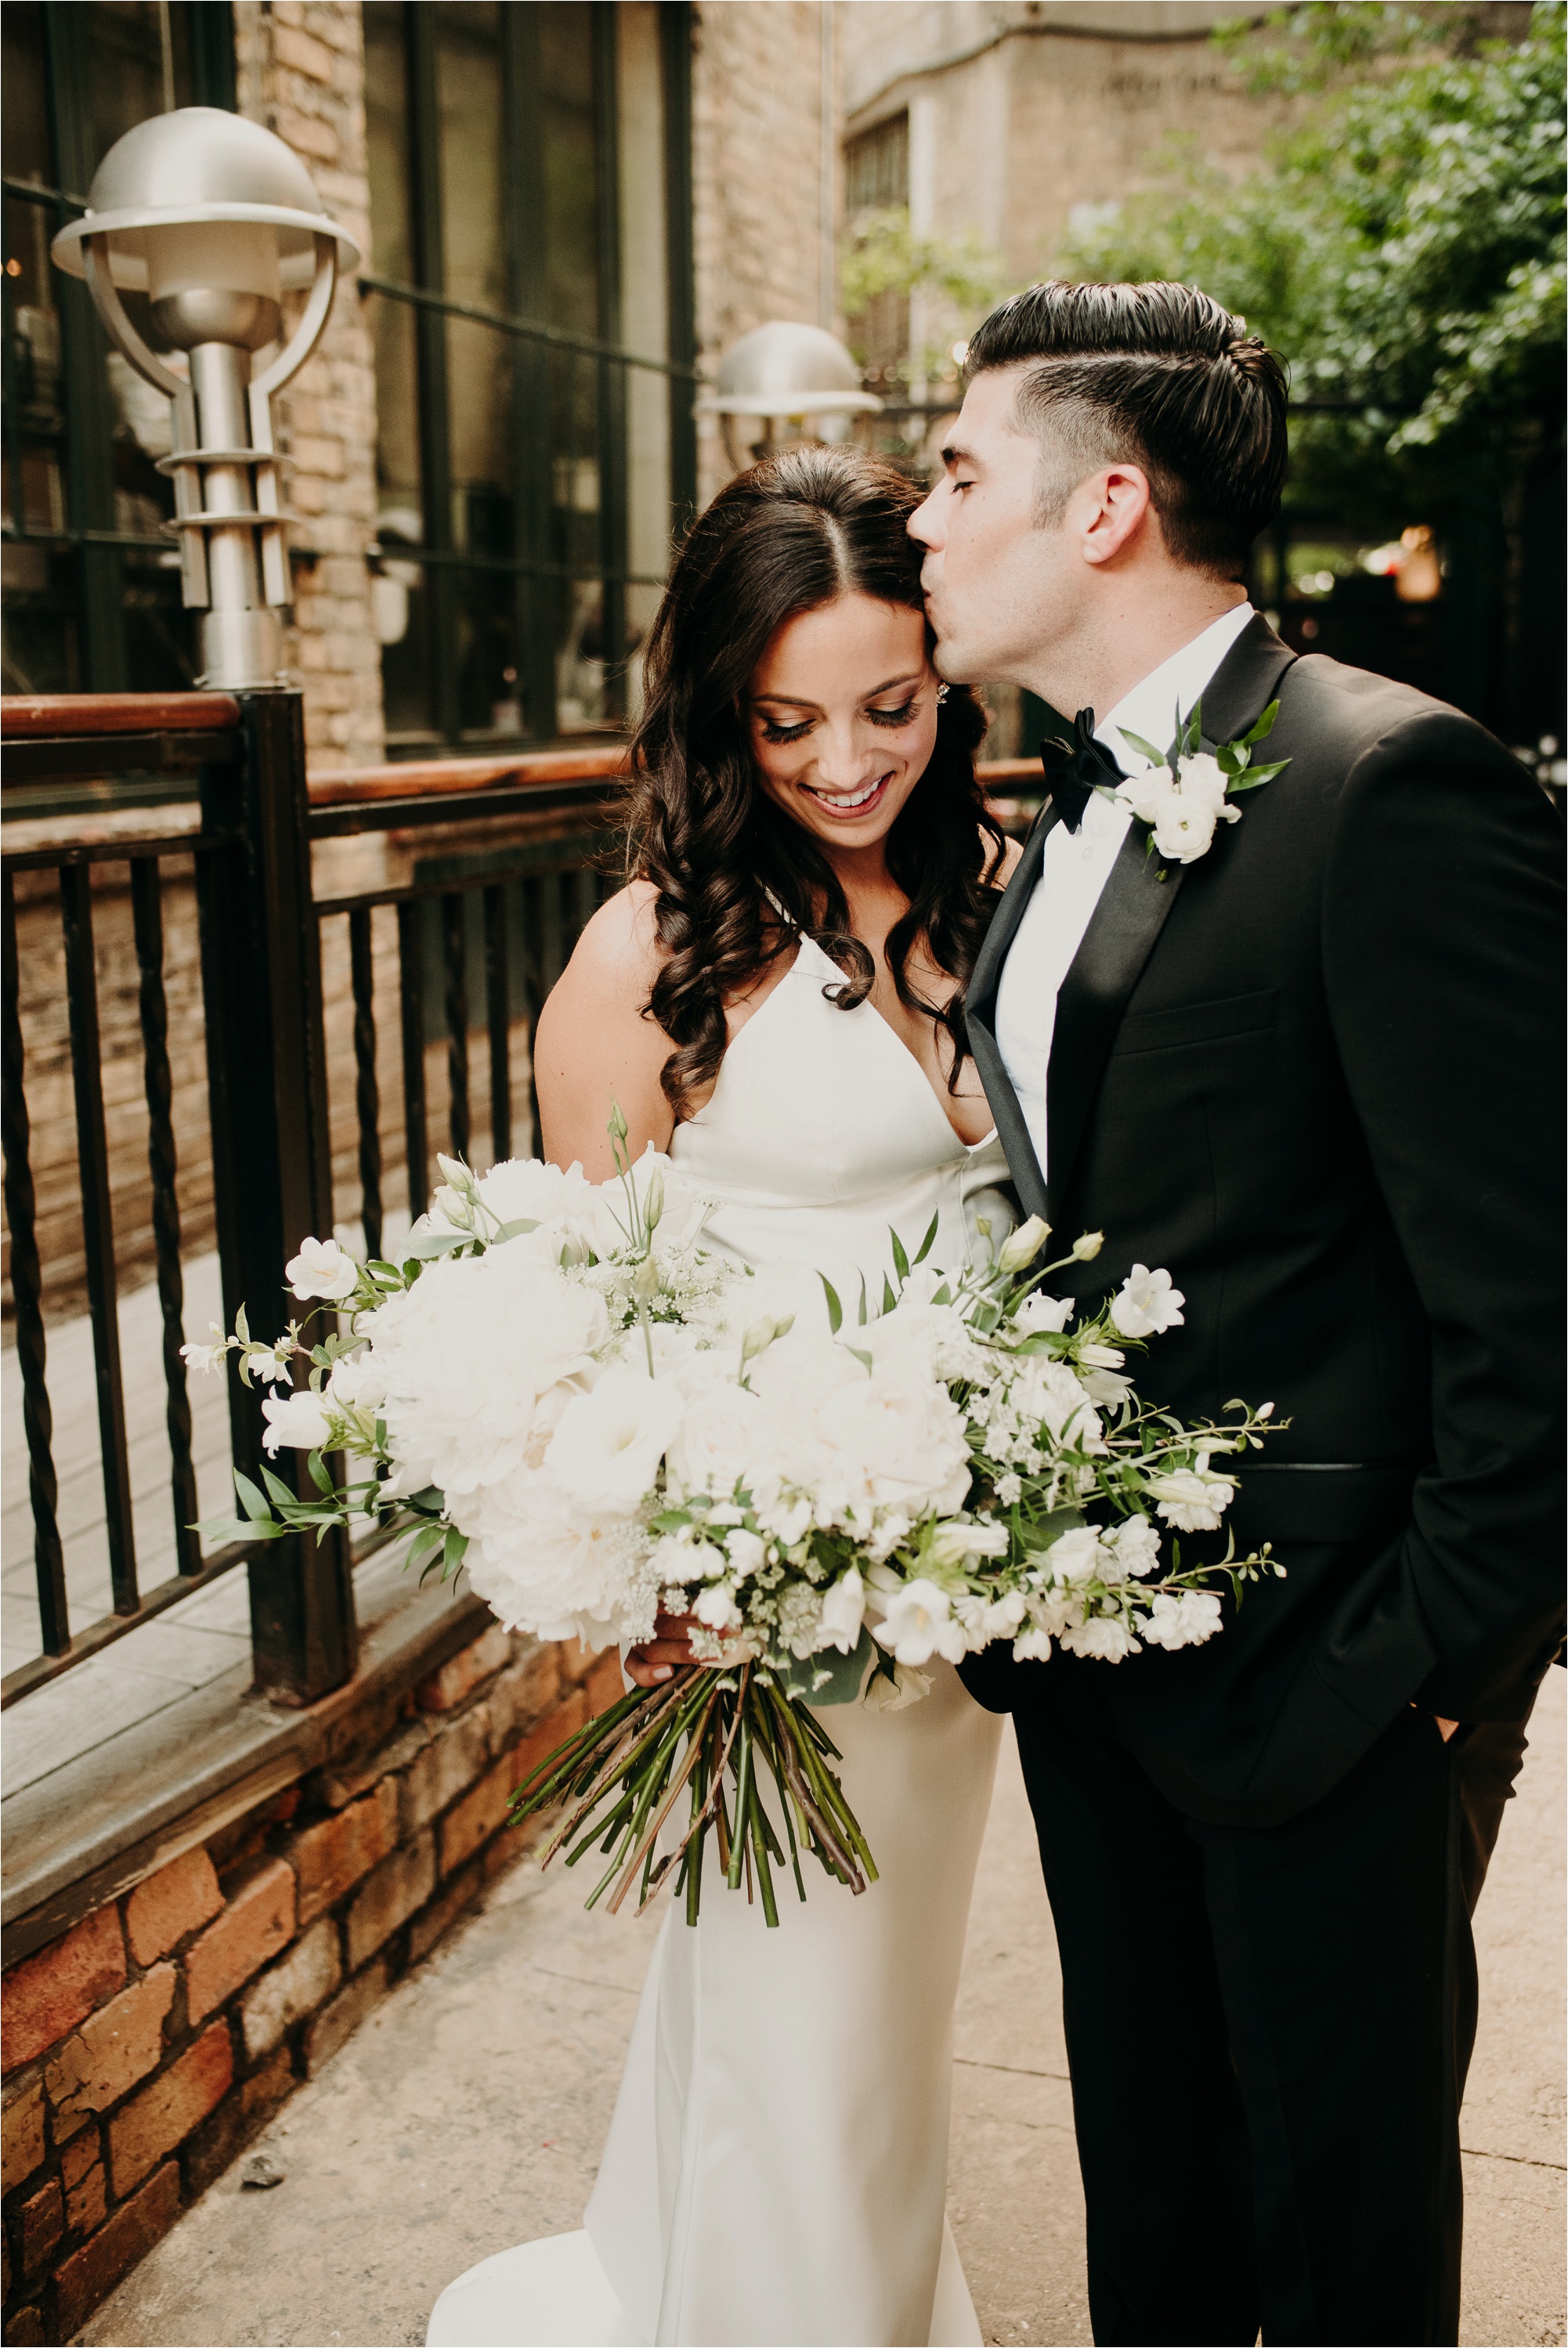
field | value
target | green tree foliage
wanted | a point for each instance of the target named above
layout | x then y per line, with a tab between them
883	254
1402	247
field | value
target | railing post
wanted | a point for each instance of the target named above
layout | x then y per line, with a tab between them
271	1158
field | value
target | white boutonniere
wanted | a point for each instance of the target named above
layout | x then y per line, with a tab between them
1185	791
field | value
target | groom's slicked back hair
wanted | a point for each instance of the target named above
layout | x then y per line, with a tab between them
1157	376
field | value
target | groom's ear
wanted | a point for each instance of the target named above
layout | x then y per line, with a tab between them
1111	512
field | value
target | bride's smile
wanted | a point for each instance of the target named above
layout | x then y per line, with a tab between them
841	714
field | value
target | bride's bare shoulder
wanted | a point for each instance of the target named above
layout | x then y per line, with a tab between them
619	951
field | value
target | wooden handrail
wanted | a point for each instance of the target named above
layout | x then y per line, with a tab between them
28	715
427	778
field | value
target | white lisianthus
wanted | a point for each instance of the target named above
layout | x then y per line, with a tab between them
322	1270
1146	1304
844	1611
300	1420
1191	1501
1088	1245
1039	1312
1022	1246
918	1624
605	1453
1183	1620
952	1546
1137	1547
1105	1636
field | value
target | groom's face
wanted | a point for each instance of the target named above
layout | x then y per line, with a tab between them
998	586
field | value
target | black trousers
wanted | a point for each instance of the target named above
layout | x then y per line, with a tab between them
1268	2031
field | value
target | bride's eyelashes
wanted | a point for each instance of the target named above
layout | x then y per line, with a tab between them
772	732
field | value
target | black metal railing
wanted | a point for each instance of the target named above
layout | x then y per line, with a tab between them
487	872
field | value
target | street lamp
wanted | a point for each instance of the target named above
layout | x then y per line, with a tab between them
784	371
213	218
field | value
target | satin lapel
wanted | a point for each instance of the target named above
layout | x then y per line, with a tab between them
1133	909
980	1018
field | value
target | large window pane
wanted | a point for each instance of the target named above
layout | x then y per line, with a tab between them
25	101
478	376
469	85
571	165
386	140
489	696
139	64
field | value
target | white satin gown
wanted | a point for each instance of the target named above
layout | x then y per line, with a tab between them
776	2166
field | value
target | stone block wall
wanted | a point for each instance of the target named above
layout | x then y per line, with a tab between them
145	2046
301	71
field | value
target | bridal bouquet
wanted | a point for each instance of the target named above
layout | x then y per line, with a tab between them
558	1389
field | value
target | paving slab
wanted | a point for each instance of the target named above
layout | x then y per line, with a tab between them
469	2114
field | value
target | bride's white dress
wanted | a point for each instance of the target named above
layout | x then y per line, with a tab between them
777	2167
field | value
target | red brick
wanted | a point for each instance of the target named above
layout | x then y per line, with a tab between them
164	2113
522	1693
24	2329
179	1898
23	2133
476	1816
91	2273
208	2151
78	2158
342	2018
85	2201
39	2224
448	1765
114	2048
606	1682
48	1995
400	1886
332	1856
305	1979
257	1922
443	1912
546	1735
457	1679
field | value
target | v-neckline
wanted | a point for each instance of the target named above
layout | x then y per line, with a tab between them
893	1038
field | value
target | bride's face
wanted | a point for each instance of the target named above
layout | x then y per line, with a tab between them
841	714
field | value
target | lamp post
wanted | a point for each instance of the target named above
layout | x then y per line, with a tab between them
213	218
786	373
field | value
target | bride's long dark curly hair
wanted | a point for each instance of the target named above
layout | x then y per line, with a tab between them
793	534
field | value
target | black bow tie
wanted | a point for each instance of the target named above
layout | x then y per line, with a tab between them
1075	768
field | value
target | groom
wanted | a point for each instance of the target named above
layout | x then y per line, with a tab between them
1307	1059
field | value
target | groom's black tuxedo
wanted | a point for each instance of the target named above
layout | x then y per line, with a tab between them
1316	1074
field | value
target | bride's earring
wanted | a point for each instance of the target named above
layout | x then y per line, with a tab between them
941	694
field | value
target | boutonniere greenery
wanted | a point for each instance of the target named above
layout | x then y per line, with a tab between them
1185	792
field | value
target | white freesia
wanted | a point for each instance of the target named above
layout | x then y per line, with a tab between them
322	1270
1147	1303
605	1453
299	1420
918	1624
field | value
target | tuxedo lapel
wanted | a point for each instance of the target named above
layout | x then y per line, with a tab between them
980	1019
1133	909
1004	922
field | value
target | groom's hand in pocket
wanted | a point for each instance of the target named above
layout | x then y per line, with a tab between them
665	1654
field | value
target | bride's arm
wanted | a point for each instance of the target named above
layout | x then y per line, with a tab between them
593	1047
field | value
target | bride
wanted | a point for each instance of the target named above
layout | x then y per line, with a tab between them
773	1000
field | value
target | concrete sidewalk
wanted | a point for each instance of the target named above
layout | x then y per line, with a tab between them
469	2114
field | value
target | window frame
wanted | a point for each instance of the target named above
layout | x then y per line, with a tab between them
443	562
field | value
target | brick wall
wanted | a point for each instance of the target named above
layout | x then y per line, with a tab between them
301	71
145	2046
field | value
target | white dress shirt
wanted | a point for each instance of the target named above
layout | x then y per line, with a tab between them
1076	865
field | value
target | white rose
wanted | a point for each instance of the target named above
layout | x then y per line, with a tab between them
322	1269
918	1624
605	1453
844	1611
1039	1312
1189	1502
300	1420
1204	779
1104	1637
1185	1620
1183	828
1146	1303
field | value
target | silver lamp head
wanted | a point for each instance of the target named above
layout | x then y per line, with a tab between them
212	217
787	369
